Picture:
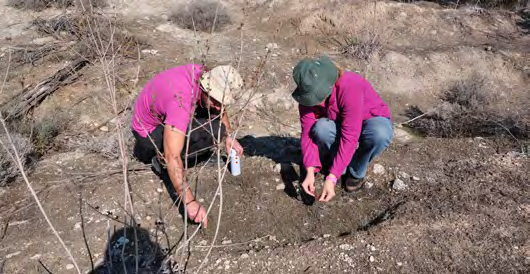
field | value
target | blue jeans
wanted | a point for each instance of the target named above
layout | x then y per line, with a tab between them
376	135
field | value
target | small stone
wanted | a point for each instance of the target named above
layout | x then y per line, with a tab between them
278	168
244	256
372	259
226	242
203	242
272	238
69	266
345	247
280	186
77	226
148	218
326	236
277	180
399	185
272	46
399	263
150	51
379	169
371	247
201	200
368	185
481	145
159	190
104	128
415	178
404	175
36	257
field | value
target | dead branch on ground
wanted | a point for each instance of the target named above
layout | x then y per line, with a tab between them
32	97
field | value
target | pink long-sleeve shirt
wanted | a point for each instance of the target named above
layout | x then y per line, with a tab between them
352	101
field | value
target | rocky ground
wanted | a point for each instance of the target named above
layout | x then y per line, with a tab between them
431	205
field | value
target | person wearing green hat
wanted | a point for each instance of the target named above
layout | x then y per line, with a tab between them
343	116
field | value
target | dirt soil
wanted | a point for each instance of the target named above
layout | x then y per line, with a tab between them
463	205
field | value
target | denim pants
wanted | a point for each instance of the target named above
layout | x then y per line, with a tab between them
376	135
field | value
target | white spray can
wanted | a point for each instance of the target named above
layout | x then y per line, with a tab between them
235	163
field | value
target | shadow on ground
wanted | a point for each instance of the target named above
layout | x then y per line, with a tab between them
285	151
524	23
130	248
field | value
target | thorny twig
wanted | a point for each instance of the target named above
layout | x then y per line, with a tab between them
83	231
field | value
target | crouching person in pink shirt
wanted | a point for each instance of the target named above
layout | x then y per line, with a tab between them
164	110
343	114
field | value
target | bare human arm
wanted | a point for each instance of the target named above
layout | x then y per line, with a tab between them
173	145
230	141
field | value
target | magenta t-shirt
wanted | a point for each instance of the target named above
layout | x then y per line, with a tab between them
167	99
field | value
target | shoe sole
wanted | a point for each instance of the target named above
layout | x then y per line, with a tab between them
355	188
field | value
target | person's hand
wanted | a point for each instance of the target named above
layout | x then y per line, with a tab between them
234	144
328	191
309	184
196	213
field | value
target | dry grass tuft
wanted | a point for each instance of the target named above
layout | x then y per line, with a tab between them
8	169
467	110
360	48
201	15
38	5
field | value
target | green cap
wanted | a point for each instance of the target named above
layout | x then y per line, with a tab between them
315	79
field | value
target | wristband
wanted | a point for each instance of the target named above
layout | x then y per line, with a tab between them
332	178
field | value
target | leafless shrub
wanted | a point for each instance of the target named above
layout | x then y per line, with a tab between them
111	35
467	110
8	169
201	15
38	5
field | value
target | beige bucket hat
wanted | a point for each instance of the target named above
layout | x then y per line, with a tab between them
222	80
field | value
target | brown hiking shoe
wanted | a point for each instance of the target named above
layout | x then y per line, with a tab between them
352	184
